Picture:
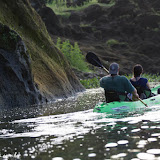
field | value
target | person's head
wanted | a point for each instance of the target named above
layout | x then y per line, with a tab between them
137	70
113	68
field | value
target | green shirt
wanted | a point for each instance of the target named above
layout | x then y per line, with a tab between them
116	83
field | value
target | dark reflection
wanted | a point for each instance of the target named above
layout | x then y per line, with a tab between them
81	102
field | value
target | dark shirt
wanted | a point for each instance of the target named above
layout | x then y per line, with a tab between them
118	83
141	82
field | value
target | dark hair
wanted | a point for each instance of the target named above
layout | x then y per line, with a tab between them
137	70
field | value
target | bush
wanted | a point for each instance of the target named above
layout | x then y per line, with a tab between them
73	54
150	77
90	83
112	42
94	82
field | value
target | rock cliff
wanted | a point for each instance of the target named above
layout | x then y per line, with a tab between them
32	69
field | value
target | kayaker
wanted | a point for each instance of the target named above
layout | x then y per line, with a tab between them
117	87
140	83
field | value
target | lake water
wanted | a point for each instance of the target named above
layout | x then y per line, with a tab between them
69	130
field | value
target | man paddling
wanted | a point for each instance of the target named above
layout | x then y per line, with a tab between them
117	87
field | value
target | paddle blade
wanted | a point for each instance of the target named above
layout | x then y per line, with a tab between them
93	59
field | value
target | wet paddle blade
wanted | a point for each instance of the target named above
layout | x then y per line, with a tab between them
93	59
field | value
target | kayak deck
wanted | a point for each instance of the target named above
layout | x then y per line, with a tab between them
127	106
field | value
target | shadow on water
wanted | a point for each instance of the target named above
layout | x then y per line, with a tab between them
83	101
42	133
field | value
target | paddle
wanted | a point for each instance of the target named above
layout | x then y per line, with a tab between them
143	102
94	60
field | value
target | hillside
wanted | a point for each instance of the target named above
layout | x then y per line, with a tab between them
124	31
50	75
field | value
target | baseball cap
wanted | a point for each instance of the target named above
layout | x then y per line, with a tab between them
113	68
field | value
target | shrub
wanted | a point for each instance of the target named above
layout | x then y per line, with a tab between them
73	54
90	83
94	82
150	77
112	42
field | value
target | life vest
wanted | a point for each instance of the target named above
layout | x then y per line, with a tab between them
115	96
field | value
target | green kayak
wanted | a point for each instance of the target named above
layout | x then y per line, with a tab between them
124	106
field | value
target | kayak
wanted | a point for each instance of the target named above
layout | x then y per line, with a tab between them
127	106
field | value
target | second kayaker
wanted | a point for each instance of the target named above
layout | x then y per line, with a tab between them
117	87
140	83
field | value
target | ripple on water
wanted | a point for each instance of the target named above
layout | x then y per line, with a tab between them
144	127
122	142
111	145
146	156
155	134
153	151
135	130
152	139
141	143
90	149
119	155
92	155
57	158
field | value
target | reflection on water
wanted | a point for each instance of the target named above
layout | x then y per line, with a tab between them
39	133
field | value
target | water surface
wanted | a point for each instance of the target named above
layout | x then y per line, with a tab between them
69	130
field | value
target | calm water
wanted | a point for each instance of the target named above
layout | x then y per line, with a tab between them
69	130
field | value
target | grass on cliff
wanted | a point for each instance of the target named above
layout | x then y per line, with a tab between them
94	83
47	63
61	8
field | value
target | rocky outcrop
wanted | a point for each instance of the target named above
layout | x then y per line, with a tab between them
49	17
33	69
17	87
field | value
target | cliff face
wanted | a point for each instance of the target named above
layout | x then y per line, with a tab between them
27	51
16	84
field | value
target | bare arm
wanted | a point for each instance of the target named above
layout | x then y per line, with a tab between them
135	95
147	84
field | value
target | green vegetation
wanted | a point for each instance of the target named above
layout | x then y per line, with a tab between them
73	54
150	77
156	29
84	25
61	8
90	83
94	83
111	3
50	70
111	42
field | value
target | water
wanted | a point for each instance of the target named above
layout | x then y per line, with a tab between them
69	130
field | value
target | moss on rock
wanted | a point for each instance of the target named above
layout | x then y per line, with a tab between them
50	69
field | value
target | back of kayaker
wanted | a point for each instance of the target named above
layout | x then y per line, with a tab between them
114	83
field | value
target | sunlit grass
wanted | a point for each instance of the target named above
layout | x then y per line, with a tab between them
150	77
90	83
60	8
